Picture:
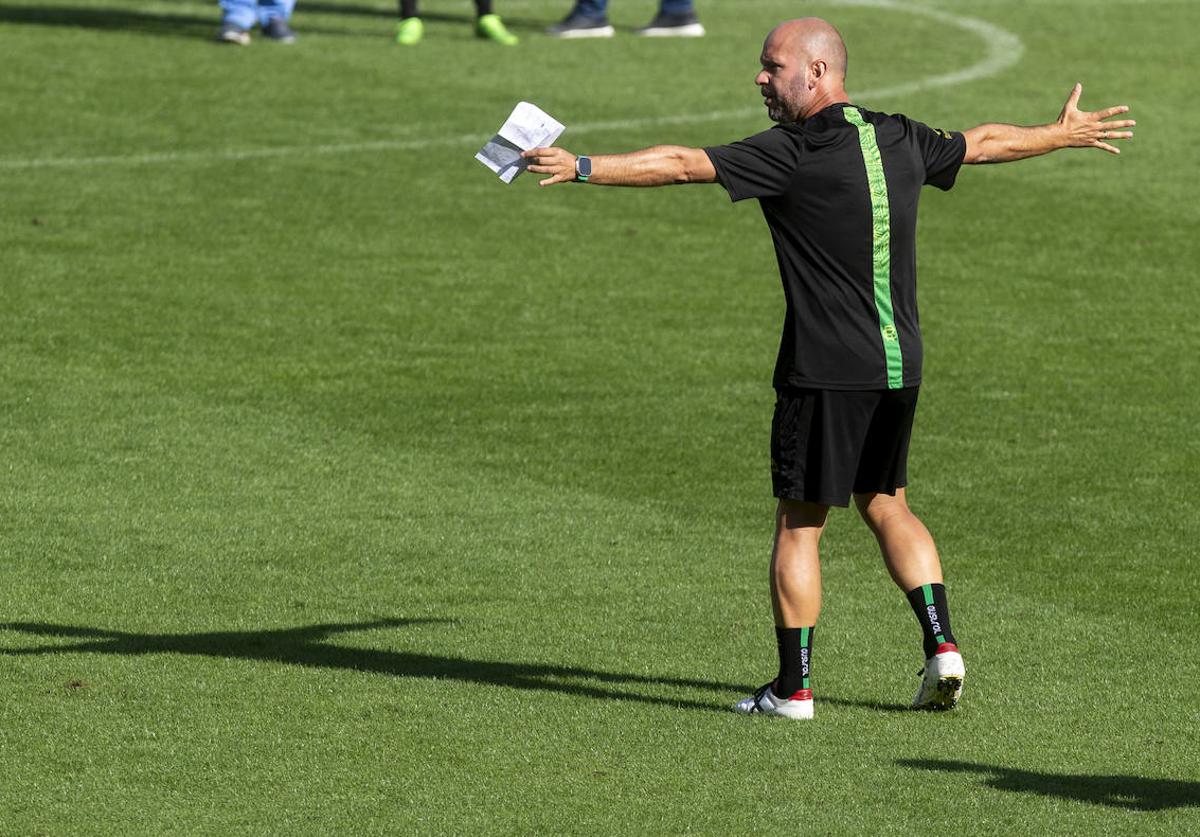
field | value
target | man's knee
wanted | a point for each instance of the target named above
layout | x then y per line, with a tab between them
878	510
800	519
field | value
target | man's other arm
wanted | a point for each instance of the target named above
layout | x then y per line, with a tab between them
995	143
660	165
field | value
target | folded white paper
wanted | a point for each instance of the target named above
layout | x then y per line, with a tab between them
528	126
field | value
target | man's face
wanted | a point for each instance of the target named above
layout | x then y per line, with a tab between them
783	81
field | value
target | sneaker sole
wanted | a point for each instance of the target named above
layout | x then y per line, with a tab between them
691	30
793	711
945	695
596	32
236	40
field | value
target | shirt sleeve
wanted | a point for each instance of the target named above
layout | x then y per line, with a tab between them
941	151
760	166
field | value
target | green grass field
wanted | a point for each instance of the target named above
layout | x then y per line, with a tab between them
348	490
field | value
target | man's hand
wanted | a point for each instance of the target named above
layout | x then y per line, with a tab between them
994	143
1083	129
556	162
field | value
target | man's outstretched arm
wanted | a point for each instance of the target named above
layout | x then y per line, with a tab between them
1074	128
660	165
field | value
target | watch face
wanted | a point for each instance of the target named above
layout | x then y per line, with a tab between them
584	166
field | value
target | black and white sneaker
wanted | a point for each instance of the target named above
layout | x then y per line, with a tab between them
799	707
230	34
684	25
576	25
278	31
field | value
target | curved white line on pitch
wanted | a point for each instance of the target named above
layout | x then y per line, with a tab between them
1003	51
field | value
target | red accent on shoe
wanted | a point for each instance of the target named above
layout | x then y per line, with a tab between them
946	648
802	694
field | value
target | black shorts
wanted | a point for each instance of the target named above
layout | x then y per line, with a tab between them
826	444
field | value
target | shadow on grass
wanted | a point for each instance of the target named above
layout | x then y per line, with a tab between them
114	20
306	646
193	26
1133	793
393	13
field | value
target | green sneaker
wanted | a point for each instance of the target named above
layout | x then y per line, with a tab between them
410	31
492	28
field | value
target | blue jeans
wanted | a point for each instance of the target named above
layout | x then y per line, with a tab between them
598	8
246	13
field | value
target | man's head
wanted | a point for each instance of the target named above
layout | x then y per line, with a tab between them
803	69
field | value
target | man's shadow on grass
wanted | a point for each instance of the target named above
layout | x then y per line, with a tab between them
306	646
1134	793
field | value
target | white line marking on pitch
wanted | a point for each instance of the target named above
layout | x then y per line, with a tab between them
1003	51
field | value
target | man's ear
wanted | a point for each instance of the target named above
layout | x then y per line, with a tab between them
818	68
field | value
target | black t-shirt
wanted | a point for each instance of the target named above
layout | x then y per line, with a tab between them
839	192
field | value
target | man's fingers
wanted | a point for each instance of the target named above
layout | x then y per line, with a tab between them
556	162
544	156
1111	149
1113	111
1073	99
1121	123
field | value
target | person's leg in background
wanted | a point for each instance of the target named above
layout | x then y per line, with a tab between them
237	19
411	29
273	16
587	19
489	25
675	19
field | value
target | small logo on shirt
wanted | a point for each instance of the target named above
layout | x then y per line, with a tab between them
943	134
889	333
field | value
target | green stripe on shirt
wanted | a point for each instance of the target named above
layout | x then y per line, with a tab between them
881	247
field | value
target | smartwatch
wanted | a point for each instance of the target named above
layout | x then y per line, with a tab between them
583	169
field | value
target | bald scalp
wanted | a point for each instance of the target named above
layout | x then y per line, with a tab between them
810	39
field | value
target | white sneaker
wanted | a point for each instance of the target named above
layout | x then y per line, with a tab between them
684	25
230	34
577	25
764	702
943	677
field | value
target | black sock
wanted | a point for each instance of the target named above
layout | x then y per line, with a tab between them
795	660
408	8
483	7
929	604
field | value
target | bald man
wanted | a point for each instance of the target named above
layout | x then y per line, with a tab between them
838	186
